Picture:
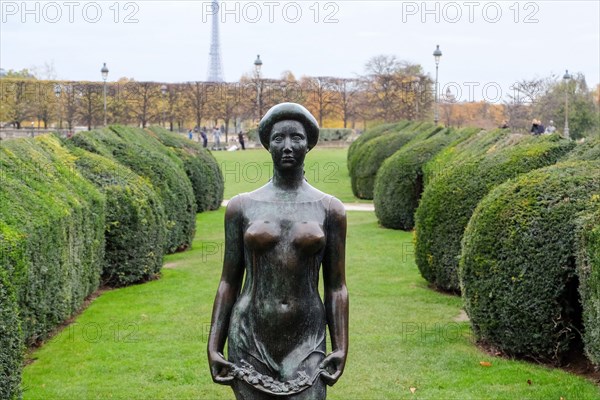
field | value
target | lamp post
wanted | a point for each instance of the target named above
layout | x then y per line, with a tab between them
437	54
163	91
566	78
57	92
104	72
257	67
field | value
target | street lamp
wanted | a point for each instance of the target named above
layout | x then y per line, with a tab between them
566	78
437	54
104	72
163	91
57	92
257	67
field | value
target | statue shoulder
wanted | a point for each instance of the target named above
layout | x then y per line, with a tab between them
235	206
336	209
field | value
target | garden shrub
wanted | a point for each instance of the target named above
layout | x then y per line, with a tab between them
588	271
399	181
147	157
372	154
55	219
518	266
462	151
448	200
373	133
136	225
11	341
586	151
200	166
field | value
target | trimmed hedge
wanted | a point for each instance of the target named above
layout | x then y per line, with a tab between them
146	156
399	182
586	151
54	221
200	166
11	341
369	157
517	269
373	133
588	271
448	200
136	224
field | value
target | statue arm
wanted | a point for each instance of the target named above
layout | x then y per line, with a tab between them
227	293
336	293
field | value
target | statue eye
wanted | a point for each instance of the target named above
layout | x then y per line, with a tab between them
297	138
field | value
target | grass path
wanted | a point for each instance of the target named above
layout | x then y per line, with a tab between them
149	341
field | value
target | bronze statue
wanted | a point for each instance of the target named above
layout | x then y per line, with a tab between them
278	236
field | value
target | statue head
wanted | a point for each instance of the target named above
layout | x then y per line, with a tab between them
288	112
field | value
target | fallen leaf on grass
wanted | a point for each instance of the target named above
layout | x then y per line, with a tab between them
413	390
529	381
485	363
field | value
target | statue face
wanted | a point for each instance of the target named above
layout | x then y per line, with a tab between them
288	145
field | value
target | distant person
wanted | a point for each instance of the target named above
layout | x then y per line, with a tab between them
217	138
204	136
191	134
535	127
551	128
241	140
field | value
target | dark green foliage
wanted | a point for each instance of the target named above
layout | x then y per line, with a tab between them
368	158
11	341
517	269
54	222
586	151
399	182
588	271
200	166
448	200
136	225
372	133
149	158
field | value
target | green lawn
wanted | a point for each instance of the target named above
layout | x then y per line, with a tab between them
149	341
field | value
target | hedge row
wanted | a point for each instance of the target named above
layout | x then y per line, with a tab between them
448	200
587	151
11	341
53	227
369	157
146	156
200	166
399	182
518	265
588	271
372	134
136	224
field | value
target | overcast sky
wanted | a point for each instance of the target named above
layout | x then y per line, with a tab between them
484	44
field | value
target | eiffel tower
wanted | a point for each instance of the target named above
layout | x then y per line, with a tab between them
215	68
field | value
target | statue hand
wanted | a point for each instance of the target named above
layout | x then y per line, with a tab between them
219	368
333	366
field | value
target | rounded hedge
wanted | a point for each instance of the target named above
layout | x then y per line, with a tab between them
448	200
373	133
517	269
11	341
399	182
588	271
586	151
136	225
55	219
200	166
147	157
369	157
